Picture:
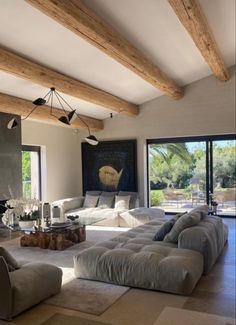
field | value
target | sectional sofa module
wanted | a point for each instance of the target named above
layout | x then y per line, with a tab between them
97	207
134	259
23	285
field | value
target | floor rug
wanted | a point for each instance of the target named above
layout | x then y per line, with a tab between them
170	316
60	319
90	297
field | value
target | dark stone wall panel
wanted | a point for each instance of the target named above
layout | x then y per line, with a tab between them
10	158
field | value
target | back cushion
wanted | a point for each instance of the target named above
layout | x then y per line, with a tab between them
133	198
187	220
90	201
106	201
122	202
96	193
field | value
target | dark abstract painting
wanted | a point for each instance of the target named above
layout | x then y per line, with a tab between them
110	166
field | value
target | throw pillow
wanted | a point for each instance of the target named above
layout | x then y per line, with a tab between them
90	201
122	202
164	229
133	198
187	220
106	201
10	260
178	215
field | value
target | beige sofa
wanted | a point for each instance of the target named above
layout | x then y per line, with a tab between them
135	259
104	214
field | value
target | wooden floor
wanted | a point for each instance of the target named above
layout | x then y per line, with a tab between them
214	294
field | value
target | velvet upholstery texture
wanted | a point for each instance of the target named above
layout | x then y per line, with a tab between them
208	237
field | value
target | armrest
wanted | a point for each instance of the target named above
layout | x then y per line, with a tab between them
198	239
5	291
69	204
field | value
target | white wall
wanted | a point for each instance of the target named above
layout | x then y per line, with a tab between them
208	107
61	160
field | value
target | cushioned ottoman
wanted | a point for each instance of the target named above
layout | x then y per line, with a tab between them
134	259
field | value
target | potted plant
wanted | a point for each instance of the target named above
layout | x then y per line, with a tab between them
214	204
28	220
24	211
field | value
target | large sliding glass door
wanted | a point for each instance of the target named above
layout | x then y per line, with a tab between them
31	175
183	172
223	175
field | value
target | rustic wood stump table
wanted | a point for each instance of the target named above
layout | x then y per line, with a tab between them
55	239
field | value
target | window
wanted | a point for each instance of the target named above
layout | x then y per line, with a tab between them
183	172
31	175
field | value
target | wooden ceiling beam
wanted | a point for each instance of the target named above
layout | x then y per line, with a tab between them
14	105
192	17
36	73
84	22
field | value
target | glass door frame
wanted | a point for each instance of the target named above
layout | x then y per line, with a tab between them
31	148
208	139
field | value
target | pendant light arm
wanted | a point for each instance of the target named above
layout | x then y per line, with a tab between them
79	117
34	108
60	102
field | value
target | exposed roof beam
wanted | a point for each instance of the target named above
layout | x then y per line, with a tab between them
192	17
14	105
84	22
39	74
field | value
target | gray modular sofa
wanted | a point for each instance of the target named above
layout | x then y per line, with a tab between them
134	259
26	286
102	210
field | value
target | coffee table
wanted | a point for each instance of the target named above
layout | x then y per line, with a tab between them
54	238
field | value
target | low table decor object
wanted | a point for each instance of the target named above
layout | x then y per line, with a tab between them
57	237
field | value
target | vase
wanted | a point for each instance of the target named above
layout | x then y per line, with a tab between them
27	224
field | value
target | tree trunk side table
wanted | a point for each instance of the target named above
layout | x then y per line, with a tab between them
55	239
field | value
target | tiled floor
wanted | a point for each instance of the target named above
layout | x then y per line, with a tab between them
213	295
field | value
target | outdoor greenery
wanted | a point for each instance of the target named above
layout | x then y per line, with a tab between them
26	174
175	167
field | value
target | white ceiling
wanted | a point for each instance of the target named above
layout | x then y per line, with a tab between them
150	25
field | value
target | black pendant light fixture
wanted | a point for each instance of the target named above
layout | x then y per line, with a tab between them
67	118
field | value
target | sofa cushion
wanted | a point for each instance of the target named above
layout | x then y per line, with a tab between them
164	230
133	198
113	194
140	216
12	264
122	202
105	201
90	201
187	220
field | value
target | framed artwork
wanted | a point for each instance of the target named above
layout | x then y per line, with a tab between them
110	166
